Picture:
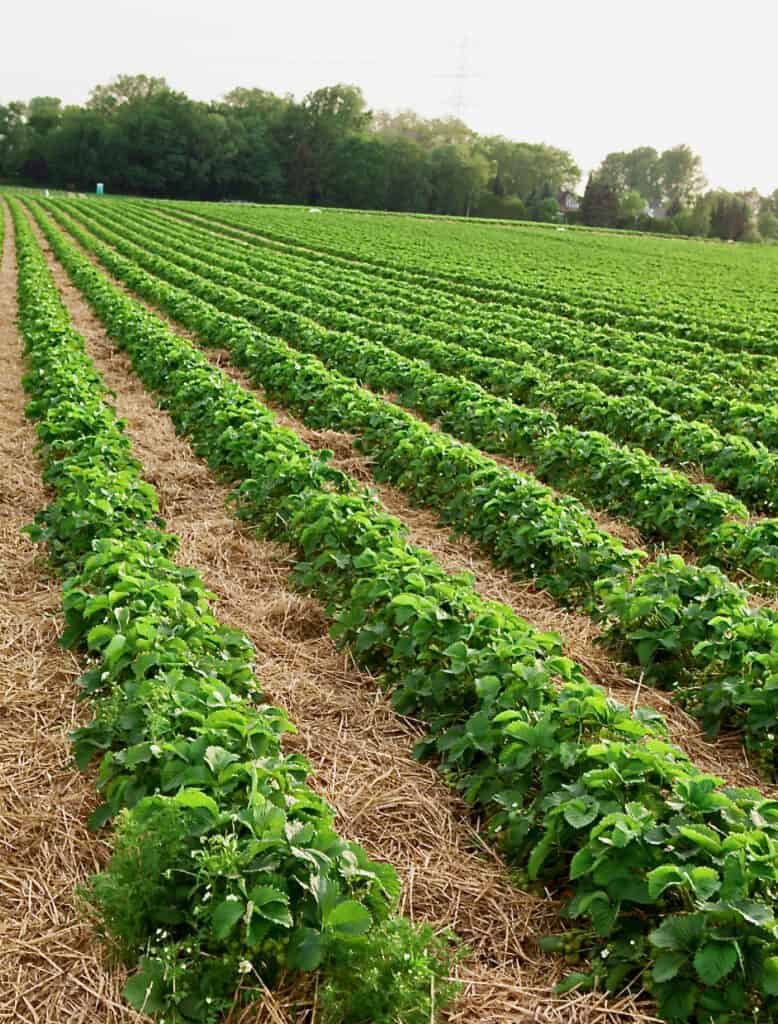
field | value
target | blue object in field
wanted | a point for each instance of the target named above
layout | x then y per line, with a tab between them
100	188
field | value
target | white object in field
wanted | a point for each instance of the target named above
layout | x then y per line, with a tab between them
314	209
46	192
100	188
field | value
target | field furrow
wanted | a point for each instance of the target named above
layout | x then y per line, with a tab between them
485	511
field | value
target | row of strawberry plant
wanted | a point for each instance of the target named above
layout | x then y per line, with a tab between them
573	554
747	470
519	524
469	265
660	502
671	881
698	394
226	870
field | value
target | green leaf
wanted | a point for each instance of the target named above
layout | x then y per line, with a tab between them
583	862
218	758
98	636
140	753
99	816
225	916
714	961
576	979
114	649
663	877
679	932
753	912
581	812
306	948
645	651
538	855
196	798
770	976
667	966
707	842
705	881
272	904
144	992
349	918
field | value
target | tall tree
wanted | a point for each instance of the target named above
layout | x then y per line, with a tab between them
731	216
524	169
457	177
126	89
600	204
681	176
638	170
13	137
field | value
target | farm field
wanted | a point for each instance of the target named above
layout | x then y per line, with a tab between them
478	523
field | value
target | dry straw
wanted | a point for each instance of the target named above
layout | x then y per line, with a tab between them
359	748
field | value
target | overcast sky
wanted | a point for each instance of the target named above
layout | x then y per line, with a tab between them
589	77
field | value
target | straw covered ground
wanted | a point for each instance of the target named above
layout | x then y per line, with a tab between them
359	749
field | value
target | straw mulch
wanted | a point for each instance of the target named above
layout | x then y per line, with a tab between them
50	967
359	749
580	635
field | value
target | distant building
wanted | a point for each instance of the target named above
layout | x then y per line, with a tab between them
568	202
656	211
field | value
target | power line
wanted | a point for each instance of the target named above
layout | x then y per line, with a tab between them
462	76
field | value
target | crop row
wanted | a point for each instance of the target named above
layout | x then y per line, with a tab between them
624	481
559	348
500	268
747	470
689	628
751	376
671	880
226	869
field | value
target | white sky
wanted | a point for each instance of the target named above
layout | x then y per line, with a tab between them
589	77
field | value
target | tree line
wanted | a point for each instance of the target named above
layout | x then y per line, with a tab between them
665	192
141	137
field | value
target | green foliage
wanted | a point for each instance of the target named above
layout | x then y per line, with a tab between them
600	204
660	861
226	871
397	950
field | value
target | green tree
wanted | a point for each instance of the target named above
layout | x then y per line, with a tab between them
457	178
768	224
359	173
76	150
125	89
429	133
523	169
638	170
255	120
600	204
681	176
313	130
632	205
731	217
12	138
407	179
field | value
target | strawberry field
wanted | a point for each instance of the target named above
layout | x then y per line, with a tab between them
592	418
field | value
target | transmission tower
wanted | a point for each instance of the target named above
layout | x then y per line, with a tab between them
462	77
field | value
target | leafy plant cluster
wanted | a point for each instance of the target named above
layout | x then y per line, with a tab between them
586	277
669	370
512	513
226	872
344	286
521	524
671	878
496	375
625	481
